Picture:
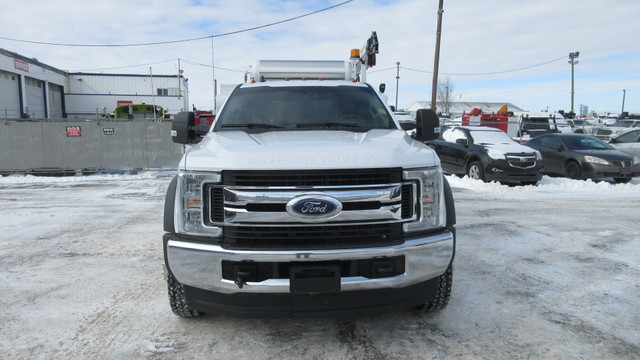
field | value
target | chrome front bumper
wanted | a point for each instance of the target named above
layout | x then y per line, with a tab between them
200	265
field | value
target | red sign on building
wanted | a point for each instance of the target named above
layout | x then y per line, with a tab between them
21	65
124	102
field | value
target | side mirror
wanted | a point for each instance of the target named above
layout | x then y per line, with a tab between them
427	125
406	126
182	128
382	88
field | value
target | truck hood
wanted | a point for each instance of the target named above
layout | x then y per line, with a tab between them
306	150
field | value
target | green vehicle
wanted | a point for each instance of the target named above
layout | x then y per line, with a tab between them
139	111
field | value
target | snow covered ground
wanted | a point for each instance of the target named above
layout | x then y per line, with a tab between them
547	271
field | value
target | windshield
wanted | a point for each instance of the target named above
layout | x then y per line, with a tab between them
490	137
623	123
535	123
269	108
585	143
581	122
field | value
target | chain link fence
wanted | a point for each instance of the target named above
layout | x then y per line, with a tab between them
59	147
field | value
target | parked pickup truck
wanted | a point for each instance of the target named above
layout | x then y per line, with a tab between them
306	198
488	154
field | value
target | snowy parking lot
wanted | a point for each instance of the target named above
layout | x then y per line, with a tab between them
547	271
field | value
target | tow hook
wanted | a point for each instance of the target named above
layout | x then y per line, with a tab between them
241	277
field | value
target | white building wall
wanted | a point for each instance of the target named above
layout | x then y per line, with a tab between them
89	94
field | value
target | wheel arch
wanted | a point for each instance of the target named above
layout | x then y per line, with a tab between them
471	159
169	206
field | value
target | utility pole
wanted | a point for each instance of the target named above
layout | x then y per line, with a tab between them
573	56
398	83
624	93
436	62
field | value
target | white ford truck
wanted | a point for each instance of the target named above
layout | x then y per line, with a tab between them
304	199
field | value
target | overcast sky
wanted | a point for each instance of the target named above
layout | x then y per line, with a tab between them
482	42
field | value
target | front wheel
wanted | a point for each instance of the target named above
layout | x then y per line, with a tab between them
177	298
572	170
475	171
442	295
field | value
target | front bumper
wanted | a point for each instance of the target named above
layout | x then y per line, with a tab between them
199	268
200	265
598	171
500	170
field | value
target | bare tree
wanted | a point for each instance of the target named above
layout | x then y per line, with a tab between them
445	94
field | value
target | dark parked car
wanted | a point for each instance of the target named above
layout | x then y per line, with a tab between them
487	154
579	156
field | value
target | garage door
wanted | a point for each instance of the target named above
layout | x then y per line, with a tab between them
9	95
35	98
55	101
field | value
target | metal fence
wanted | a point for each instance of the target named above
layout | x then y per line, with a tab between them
86	146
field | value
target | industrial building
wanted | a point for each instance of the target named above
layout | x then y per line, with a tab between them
31	89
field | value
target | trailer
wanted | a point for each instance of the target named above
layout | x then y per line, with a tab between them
521	127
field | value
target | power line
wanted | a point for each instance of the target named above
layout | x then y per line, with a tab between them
127	66
487	73
159	62
182	40
207	65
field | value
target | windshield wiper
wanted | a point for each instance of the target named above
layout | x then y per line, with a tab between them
329	124
253	126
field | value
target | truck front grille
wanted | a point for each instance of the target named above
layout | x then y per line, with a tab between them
250	207
312	237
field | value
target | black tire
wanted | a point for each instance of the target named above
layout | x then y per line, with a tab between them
573	170
474	171
442	296
177	299
621	180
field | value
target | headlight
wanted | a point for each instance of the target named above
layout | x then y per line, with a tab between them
496	154
636	160
595	160
538	156
189	206
430	199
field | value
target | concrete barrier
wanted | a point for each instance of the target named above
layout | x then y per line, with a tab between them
86	146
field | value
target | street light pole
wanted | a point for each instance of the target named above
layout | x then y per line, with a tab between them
398	82
573	56
624	93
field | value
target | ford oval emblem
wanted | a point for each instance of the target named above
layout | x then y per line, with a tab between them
314	207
